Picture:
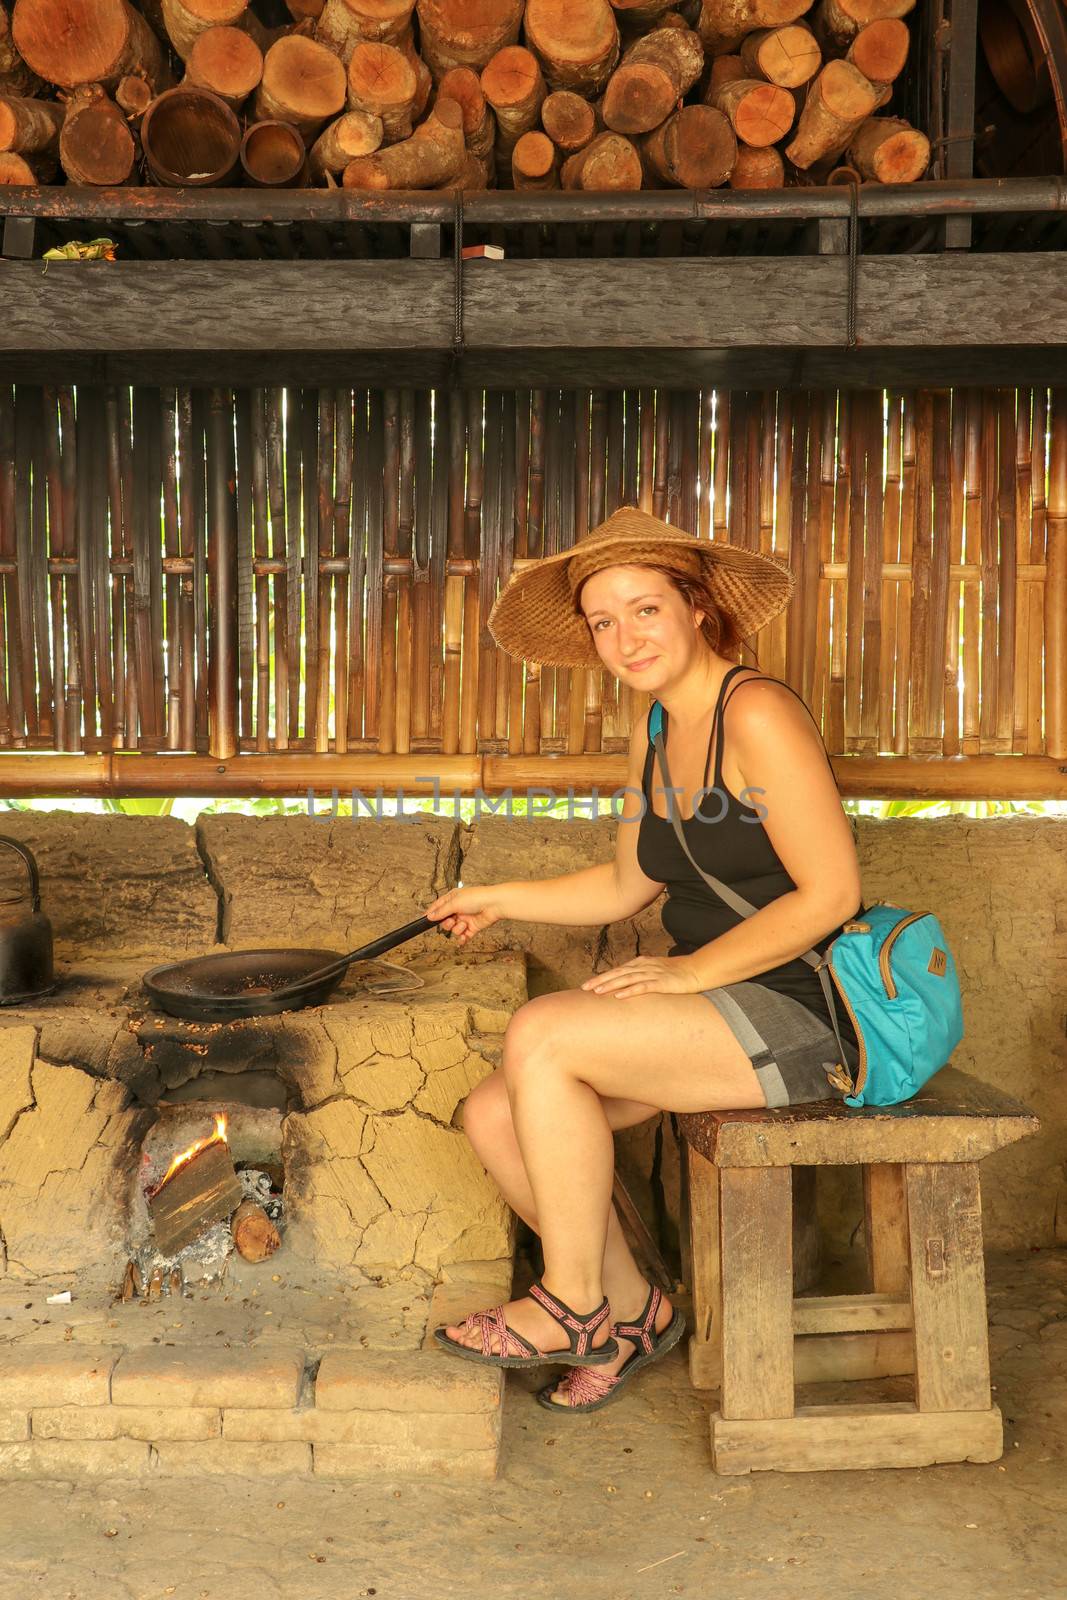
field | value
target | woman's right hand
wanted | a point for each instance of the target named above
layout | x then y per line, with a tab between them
466	911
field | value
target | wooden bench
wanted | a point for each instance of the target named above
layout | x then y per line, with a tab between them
925	1312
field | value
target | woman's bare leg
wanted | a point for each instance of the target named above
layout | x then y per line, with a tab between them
490	1131
565	1056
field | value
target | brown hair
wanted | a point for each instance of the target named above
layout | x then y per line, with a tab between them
717	628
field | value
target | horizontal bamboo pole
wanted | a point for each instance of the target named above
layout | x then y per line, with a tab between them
858	777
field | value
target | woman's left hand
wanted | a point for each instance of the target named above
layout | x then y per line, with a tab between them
647	975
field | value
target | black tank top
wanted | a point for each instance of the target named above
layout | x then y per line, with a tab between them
735	848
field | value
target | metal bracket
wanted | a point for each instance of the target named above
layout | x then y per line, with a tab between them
19	238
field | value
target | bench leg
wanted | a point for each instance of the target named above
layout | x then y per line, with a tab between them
885	1227
705	1348
948	1287
756	1234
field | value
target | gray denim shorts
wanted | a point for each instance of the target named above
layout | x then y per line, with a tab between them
791	1049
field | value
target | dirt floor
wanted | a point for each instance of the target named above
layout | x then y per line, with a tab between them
620	1505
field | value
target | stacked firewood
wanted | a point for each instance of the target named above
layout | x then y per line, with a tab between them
446	94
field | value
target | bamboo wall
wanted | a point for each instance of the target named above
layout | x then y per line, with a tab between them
309	572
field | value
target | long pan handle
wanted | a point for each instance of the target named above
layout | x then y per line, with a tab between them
366	952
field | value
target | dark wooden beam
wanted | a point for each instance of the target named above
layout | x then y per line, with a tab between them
953	318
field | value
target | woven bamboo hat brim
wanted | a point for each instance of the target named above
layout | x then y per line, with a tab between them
535	618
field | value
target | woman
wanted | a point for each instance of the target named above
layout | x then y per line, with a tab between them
731	1017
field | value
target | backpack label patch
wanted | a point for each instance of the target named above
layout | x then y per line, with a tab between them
938	963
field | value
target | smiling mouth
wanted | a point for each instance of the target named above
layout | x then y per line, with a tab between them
635	666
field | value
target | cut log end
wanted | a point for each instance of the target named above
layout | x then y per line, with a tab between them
577	44
70	42
303	83
96	146
757	169
511	79
254	1233
880	50
761	113
609	162
638	98
569	121
226	60
788	56
533	162
889	150
694	149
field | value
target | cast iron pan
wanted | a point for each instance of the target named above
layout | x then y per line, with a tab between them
261	983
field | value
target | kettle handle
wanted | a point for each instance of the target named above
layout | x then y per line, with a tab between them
31	868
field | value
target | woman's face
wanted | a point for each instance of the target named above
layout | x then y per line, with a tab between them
643	628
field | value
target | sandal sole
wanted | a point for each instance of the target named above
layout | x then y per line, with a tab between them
601	1357
666	1341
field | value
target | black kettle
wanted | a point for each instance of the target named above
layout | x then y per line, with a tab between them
25	939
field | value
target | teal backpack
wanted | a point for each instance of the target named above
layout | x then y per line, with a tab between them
894	973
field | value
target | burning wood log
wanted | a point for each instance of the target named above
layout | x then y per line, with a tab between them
355	133
343	24
273	156
200	1187
569	121
29	125
610	161
133	96
760	113
186	20
461	84
382	82
838	21
757	168
533	162
513	86
724	23
787	56
132	1282
466	33
434	154
95	145
15	75
880	50
889	150
838	101
71	42
654	74
227	61
576	42
694	149
303	83
190	138
254	1233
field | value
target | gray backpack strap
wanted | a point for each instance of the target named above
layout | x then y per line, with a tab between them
735	901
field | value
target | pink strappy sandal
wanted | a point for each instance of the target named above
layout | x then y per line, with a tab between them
588	1391
515	1351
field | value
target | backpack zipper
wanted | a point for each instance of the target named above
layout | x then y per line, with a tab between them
861	1067
887	945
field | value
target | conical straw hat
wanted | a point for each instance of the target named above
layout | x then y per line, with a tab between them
535	617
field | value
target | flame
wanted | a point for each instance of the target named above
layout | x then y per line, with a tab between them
219	1136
